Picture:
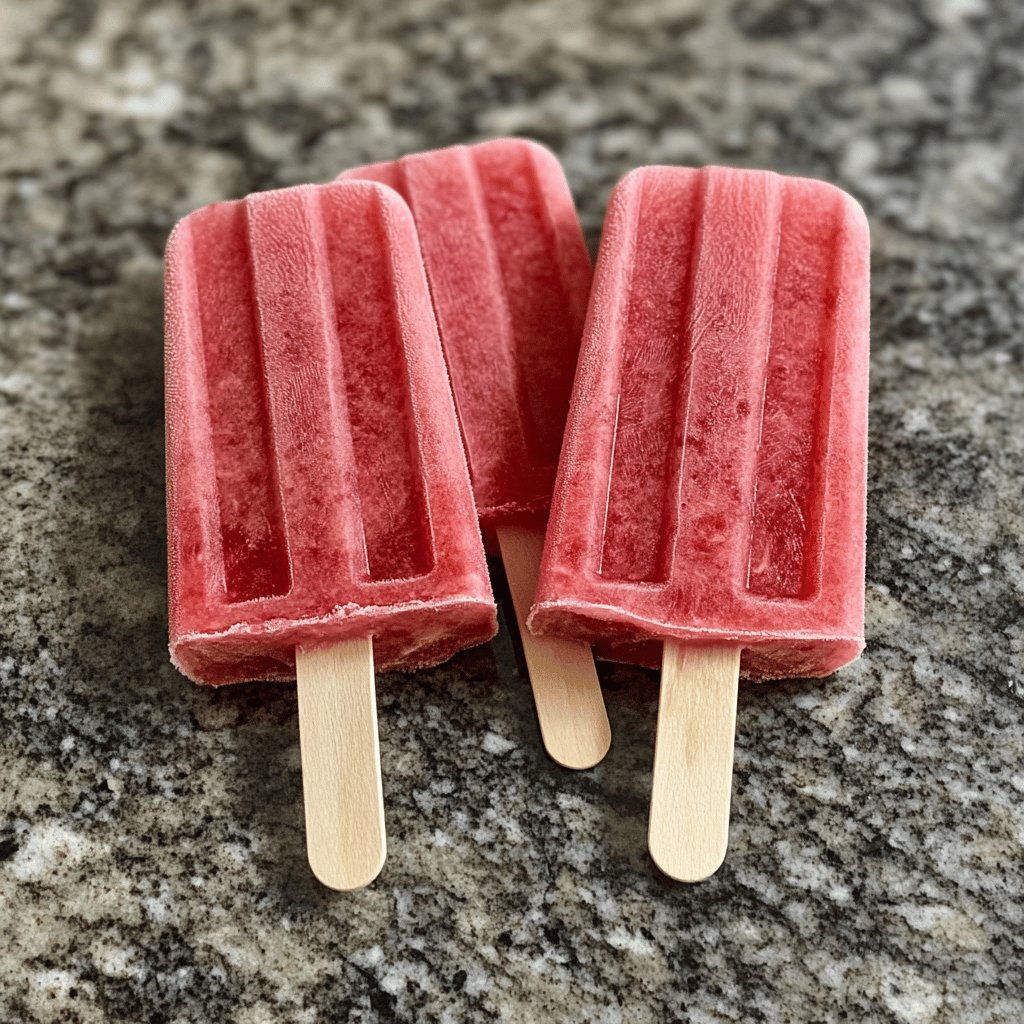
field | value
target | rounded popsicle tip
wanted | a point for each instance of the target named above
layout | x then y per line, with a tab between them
822	192
174	239
537	149
362	188
855	215
366	172
633	179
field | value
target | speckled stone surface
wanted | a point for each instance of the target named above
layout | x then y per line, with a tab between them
151	845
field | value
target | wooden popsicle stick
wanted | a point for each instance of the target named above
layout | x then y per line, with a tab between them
341	781
566	690
689	817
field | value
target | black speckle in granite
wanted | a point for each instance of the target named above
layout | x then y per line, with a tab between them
152	862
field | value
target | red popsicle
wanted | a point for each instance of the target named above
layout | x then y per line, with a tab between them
711	492
510	276
318	498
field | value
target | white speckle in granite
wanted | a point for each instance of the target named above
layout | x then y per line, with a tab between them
952	13
53	993
368	958
630	941
117	961
905	92
860	157
159	907
495	744
912	998
916	421
48	848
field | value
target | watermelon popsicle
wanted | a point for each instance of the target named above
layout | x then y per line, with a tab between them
510	276
711	493
320	517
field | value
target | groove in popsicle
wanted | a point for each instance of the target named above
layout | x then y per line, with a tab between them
444	193
395	174
642	508
786	515
381	420
472	349
254	546
539	305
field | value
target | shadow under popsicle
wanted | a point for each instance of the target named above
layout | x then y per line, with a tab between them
109	555
110	548
625	777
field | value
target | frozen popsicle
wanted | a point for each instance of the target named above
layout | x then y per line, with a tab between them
320	516
711	492
509	276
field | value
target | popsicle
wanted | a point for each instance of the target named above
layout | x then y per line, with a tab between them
320	516
509	276
711	492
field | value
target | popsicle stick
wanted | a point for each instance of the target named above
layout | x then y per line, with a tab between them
689	818
340	750
566	690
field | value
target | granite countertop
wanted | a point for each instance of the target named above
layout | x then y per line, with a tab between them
151	845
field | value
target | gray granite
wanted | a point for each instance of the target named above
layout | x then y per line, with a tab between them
151	846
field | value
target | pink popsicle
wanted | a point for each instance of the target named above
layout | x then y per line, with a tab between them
509	276
711	491
320	516
317	489
712	486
